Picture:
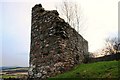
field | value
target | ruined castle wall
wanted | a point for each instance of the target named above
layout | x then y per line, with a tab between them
55	46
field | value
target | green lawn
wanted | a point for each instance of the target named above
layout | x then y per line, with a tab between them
106	69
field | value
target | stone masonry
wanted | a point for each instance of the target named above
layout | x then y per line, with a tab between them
55	46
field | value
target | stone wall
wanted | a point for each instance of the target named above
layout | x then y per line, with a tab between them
55	46
106	58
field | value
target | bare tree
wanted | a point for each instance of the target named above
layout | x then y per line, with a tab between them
111	46
71	12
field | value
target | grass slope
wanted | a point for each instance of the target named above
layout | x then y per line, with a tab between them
106	69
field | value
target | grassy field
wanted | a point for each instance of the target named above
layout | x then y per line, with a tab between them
106	69
8	76
15	72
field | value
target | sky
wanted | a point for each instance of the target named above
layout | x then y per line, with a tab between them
101	19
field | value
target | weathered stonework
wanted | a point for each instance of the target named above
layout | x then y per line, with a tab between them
55	46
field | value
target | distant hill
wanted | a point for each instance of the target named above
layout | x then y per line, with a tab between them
9	67
5	67
13	72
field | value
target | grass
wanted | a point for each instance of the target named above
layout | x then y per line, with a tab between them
106	69
8	76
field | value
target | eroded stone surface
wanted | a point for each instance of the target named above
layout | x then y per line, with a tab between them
55	46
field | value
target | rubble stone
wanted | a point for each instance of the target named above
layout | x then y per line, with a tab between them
55	46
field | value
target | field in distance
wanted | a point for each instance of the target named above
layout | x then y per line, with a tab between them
13	72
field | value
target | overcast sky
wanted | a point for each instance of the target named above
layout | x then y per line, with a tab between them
15	23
